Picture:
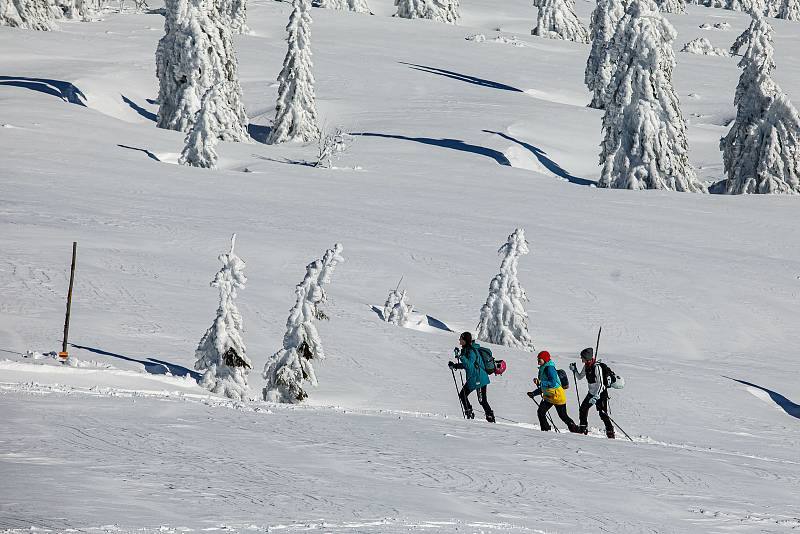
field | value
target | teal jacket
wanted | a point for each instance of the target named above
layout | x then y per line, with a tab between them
473	365
548	376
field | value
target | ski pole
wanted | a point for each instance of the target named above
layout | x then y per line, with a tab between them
458	393
577	393
619	427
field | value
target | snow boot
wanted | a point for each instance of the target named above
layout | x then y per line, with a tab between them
583	429
469	414
575	429
490	417
610	434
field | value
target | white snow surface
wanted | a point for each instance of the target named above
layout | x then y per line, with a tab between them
697	294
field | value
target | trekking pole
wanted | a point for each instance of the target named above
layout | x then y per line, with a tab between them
458	393
577	393
550	417
619	427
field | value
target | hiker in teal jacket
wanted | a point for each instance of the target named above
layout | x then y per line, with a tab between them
477	378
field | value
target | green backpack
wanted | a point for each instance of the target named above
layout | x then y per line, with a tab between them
489	365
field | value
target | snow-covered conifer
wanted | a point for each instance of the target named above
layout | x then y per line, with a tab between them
672	6
221	354
357	6
504	320
202	138
557	20
287	371
447	11
296	109
397	310
233	14
599	69
195	54
645	143
27	14
761	152
788	10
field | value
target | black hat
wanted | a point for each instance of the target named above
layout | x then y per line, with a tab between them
587	353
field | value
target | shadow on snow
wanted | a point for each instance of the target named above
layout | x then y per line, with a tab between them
149	115
147	152
549	164
151	365
58	88
463	77
785	404
453	144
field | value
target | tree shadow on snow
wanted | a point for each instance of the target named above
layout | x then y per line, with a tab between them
147	152
58	88
149	115
785	404
463	77
432	321
453	144
153	366
258	132
548	164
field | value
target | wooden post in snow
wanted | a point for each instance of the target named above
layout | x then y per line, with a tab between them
63	355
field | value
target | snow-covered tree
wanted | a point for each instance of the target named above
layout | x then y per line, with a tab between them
27	14
397	310
557	20
761	152
296	109
672	6
201	140
645	143
195	54
599	69
703	47
288	370
788	10
447	11
233	14
504	320
358	6
221	354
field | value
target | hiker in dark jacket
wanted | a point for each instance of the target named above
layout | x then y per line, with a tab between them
549	387
471	362
598	394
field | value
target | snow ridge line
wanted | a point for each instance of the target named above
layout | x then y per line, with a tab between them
33	388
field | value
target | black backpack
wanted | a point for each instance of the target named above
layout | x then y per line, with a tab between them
609	377
489	364
562	377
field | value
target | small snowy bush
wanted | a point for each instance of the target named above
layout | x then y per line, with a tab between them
357	6
504	320
447	11
288	370
397	310
703	47
221	354
332	144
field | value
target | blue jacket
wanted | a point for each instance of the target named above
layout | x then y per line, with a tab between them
473	365
548	376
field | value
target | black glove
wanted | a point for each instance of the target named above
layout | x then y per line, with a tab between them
451	365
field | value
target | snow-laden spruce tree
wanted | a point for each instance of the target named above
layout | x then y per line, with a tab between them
504	320
27	14
296	109
357	6
645	143
557	20
221	354
447	11
199	150
703	47
288	370
599	69
397	309
195	54
788	10
672	6
233	14
761	152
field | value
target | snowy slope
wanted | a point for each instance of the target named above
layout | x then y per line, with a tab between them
460	143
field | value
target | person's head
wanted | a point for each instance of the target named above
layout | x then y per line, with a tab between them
587	356
543	357
465	339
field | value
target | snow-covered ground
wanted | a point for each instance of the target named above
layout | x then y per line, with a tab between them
459	143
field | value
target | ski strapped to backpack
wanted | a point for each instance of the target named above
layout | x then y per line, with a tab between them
490	365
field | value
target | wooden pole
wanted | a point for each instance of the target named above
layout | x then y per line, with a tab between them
64	354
